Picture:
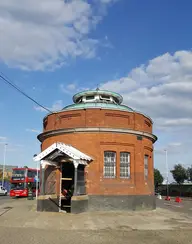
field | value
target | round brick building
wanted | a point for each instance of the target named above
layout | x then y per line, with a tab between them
116	171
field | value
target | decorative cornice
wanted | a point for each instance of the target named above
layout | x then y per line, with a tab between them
41	137
148	148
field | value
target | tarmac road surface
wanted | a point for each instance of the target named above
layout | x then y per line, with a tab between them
183	207
5	199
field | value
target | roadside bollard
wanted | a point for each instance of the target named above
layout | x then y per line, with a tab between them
178	199
167	198
159	196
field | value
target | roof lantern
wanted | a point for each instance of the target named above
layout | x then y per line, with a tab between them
97	96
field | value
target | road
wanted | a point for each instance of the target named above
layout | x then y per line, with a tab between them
183	207
5	199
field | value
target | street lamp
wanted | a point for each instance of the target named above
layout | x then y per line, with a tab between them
37	177
37	181
167	169
5	149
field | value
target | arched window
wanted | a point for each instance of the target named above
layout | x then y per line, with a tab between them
125	165
109	164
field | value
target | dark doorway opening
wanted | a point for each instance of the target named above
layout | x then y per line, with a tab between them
67	186
70	186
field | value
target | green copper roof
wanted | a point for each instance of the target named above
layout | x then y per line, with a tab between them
100	92
98	105
99	102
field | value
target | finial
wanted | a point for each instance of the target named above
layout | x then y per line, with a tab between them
97	87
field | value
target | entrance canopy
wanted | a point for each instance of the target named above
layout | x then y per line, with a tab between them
61	152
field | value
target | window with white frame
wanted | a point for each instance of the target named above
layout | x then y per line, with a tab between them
109	164
146	162
125	165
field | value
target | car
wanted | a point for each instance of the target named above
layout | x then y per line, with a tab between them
3	191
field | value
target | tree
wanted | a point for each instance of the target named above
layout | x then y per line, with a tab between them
189	173
179	174
158	178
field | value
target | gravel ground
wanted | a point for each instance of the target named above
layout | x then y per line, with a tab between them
40	236
22	224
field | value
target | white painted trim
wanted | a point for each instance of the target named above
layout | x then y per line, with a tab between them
44	163
75	162
66	149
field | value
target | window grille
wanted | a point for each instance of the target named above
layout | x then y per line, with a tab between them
109	164
125	165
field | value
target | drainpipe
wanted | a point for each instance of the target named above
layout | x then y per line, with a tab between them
75	177
43	165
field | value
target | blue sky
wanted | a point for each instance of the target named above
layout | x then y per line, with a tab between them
53	49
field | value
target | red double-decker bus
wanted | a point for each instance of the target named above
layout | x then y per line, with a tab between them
22	180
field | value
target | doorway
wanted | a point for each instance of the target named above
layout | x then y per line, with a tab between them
67	186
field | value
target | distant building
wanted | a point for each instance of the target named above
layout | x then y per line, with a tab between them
8	170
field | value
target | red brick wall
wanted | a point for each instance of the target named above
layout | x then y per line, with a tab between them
98	118
94	144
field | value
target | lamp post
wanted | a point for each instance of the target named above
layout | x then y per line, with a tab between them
4	160
37	177
167	170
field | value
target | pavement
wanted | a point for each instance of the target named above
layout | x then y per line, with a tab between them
20	223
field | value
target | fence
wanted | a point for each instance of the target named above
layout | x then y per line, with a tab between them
176	190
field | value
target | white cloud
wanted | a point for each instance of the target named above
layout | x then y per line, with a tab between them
174	122
174	144
71	87
119	84
33	130
172	148
19	145
68	89
12	147
108	1
56	106
38	35
37	108
9	149
162	89
3	138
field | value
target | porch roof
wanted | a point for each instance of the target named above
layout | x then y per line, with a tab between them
60	149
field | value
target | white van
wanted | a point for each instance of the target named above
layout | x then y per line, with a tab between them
3	191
